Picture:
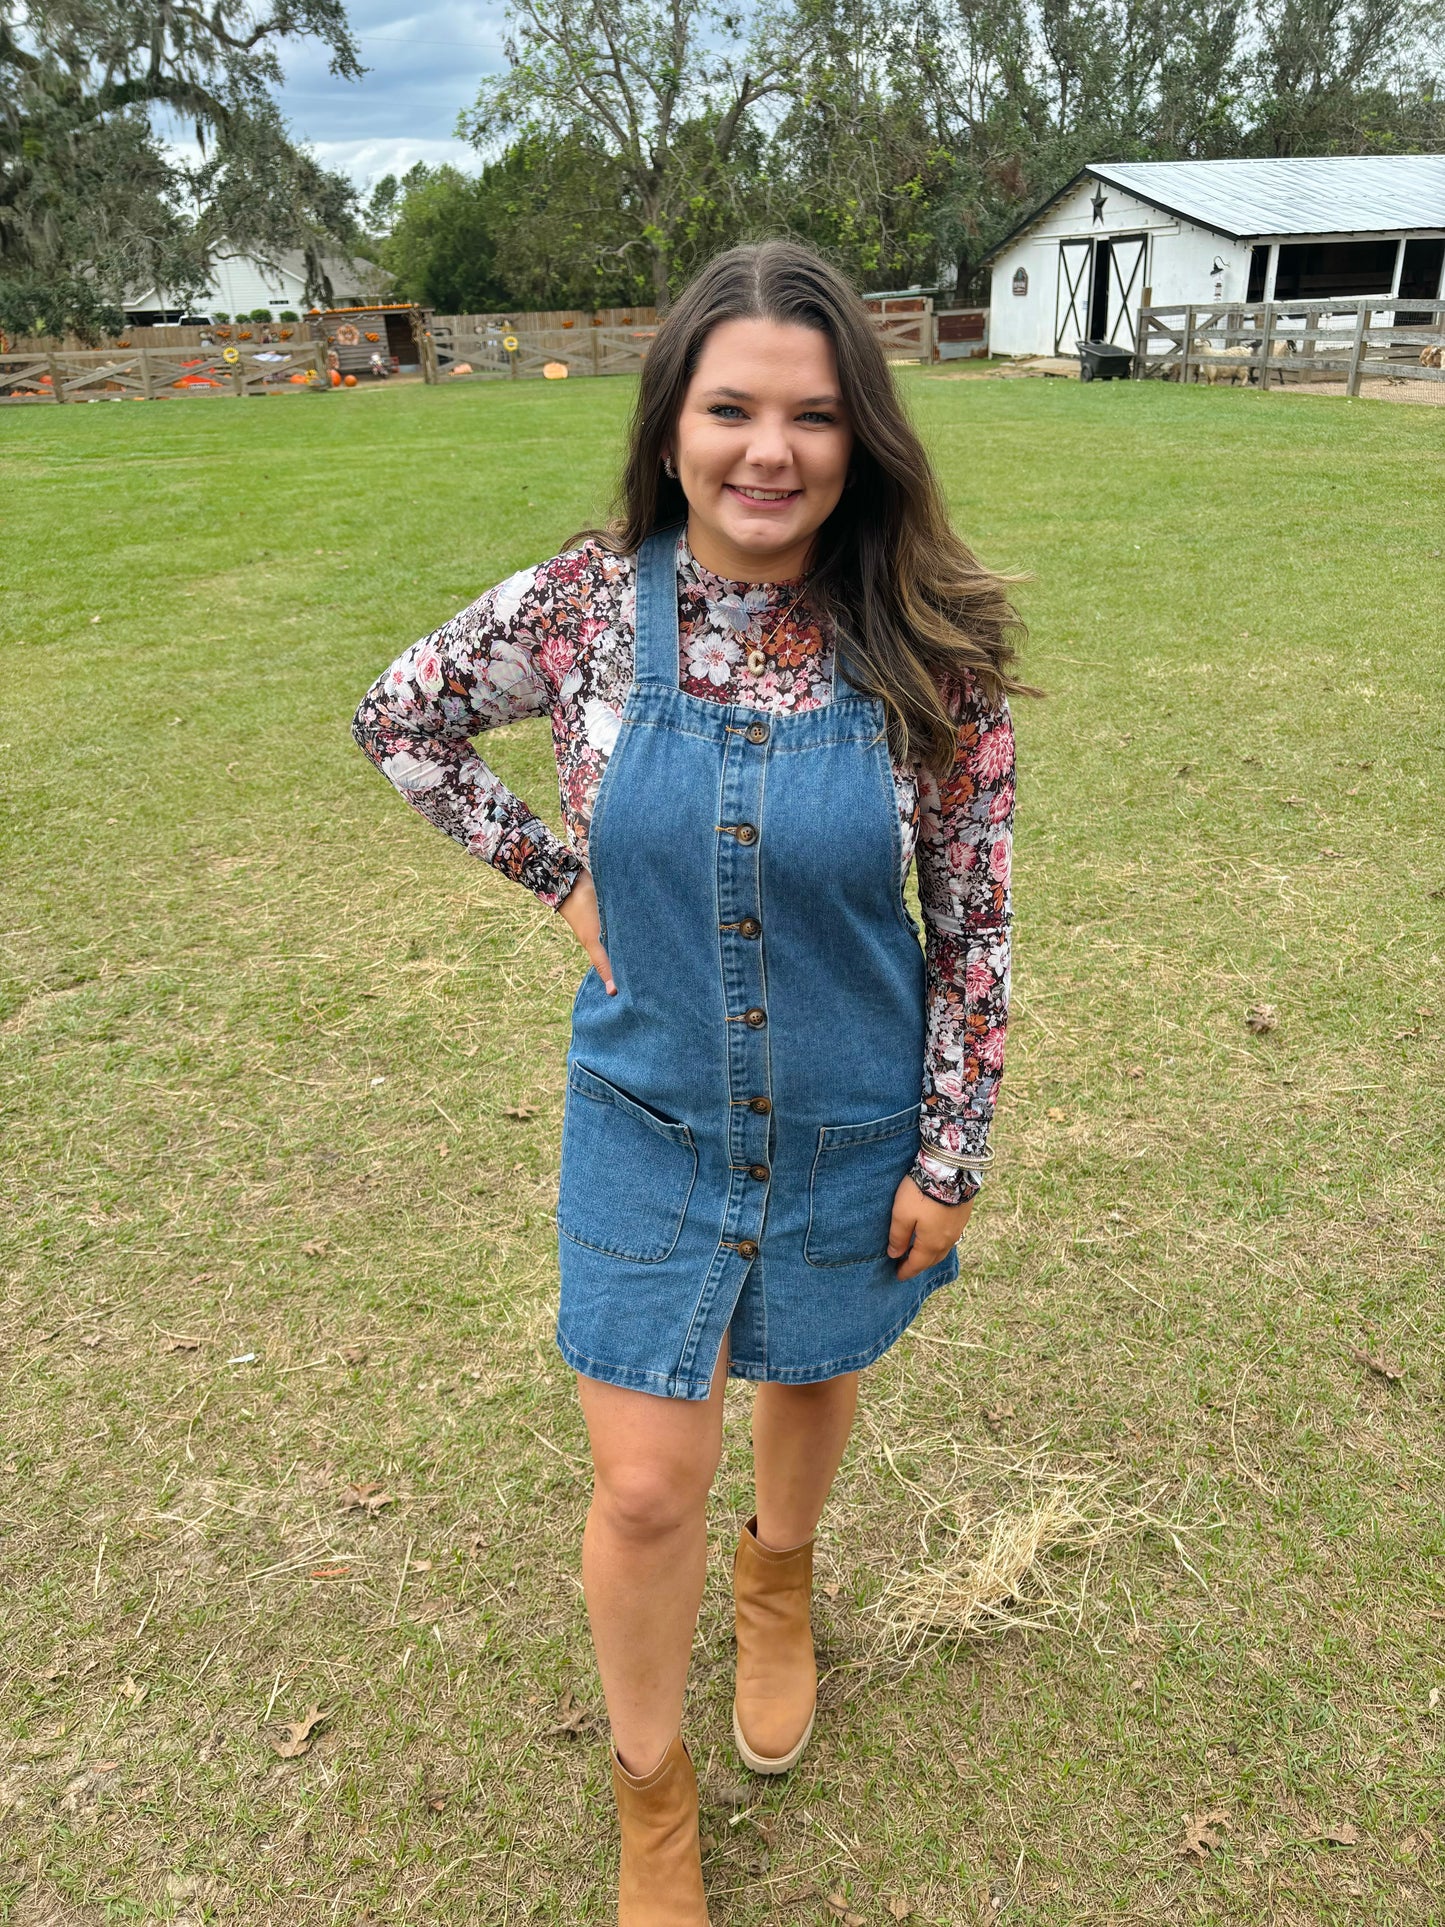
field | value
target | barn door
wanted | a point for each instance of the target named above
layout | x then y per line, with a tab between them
1127	274
1071	303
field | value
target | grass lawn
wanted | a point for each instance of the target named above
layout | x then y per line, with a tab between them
282	1077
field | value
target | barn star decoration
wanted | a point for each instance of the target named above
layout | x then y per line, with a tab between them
1100	197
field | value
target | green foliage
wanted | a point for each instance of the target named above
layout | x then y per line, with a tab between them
92	195
544	226
55	305
262	314
902	140
289	314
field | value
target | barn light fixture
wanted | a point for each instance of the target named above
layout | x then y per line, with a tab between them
1218	267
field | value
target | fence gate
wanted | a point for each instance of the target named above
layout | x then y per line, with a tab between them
1071	302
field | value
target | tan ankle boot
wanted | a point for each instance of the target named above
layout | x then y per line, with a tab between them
777	1680
660	1882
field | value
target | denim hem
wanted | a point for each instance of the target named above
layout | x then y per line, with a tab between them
671	1385
836	1367
632	1378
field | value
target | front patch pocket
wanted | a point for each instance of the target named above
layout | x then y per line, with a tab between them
856	1170
627	1172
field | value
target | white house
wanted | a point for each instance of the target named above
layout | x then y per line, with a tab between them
240	283
1167	233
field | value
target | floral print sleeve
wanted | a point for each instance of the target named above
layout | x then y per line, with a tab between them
964	853
486	666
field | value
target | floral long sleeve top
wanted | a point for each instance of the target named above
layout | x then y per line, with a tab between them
557	641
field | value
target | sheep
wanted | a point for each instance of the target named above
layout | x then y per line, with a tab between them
1433	356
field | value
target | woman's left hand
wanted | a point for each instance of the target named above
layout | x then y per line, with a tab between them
923	1229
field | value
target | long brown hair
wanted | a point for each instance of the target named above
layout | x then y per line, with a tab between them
909	602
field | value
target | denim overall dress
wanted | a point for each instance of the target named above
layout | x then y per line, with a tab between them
739	1115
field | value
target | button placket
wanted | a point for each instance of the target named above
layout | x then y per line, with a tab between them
738	897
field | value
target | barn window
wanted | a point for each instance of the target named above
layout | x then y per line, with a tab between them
1258	272
1021	281
1334	270
1420	272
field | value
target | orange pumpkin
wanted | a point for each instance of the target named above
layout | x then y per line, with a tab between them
349	381
569	324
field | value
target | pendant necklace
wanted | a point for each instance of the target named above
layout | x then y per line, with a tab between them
755	657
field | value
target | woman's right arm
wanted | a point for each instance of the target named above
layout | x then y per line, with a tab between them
417	720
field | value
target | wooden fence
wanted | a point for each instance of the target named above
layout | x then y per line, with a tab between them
1272	342
153	374
498	353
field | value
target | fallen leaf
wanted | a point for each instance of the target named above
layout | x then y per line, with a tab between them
573	1718
838	1904
1341	1835
519	1111
423	1565
316	1247
476	1545
1261	1019
91	1339
1434	1694
1331	855
1136	1686
831	1589
853	1920
1136	1071
1295	803
1384	1367
182	1345
1056	1114
734	1795
135	1694
998	1416
297	1735
436	1801
1200	1836
899	1907
444	1150
366	1496
355	1354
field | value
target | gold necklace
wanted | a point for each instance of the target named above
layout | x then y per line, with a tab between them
756	659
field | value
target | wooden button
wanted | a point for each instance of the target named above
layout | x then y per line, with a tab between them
746	1248
756	1017
757	732
750	927
762	1105
757	662
758	1171
745	833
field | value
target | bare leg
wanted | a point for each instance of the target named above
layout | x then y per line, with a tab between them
799	1433
644	1552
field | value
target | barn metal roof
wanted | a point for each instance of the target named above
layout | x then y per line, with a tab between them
1314	194
1317	194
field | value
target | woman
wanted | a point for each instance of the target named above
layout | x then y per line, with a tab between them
777	679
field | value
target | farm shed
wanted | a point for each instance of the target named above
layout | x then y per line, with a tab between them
395	330
1131	234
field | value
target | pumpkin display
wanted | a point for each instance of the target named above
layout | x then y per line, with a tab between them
348	381
371	336
243	334
569	324
286	333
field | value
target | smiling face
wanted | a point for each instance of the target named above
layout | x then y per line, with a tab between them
761	448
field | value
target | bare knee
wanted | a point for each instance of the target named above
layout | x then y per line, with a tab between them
646	1502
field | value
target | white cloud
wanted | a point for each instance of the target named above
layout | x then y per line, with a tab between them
366	161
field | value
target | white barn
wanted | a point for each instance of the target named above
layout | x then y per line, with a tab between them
240	282
1127	234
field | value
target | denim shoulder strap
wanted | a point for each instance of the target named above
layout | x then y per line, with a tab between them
655	661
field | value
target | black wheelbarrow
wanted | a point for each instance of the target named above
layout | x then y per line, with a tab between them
1104	361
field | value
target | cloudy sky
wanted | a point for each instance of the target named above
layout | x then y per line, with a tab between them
424	65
